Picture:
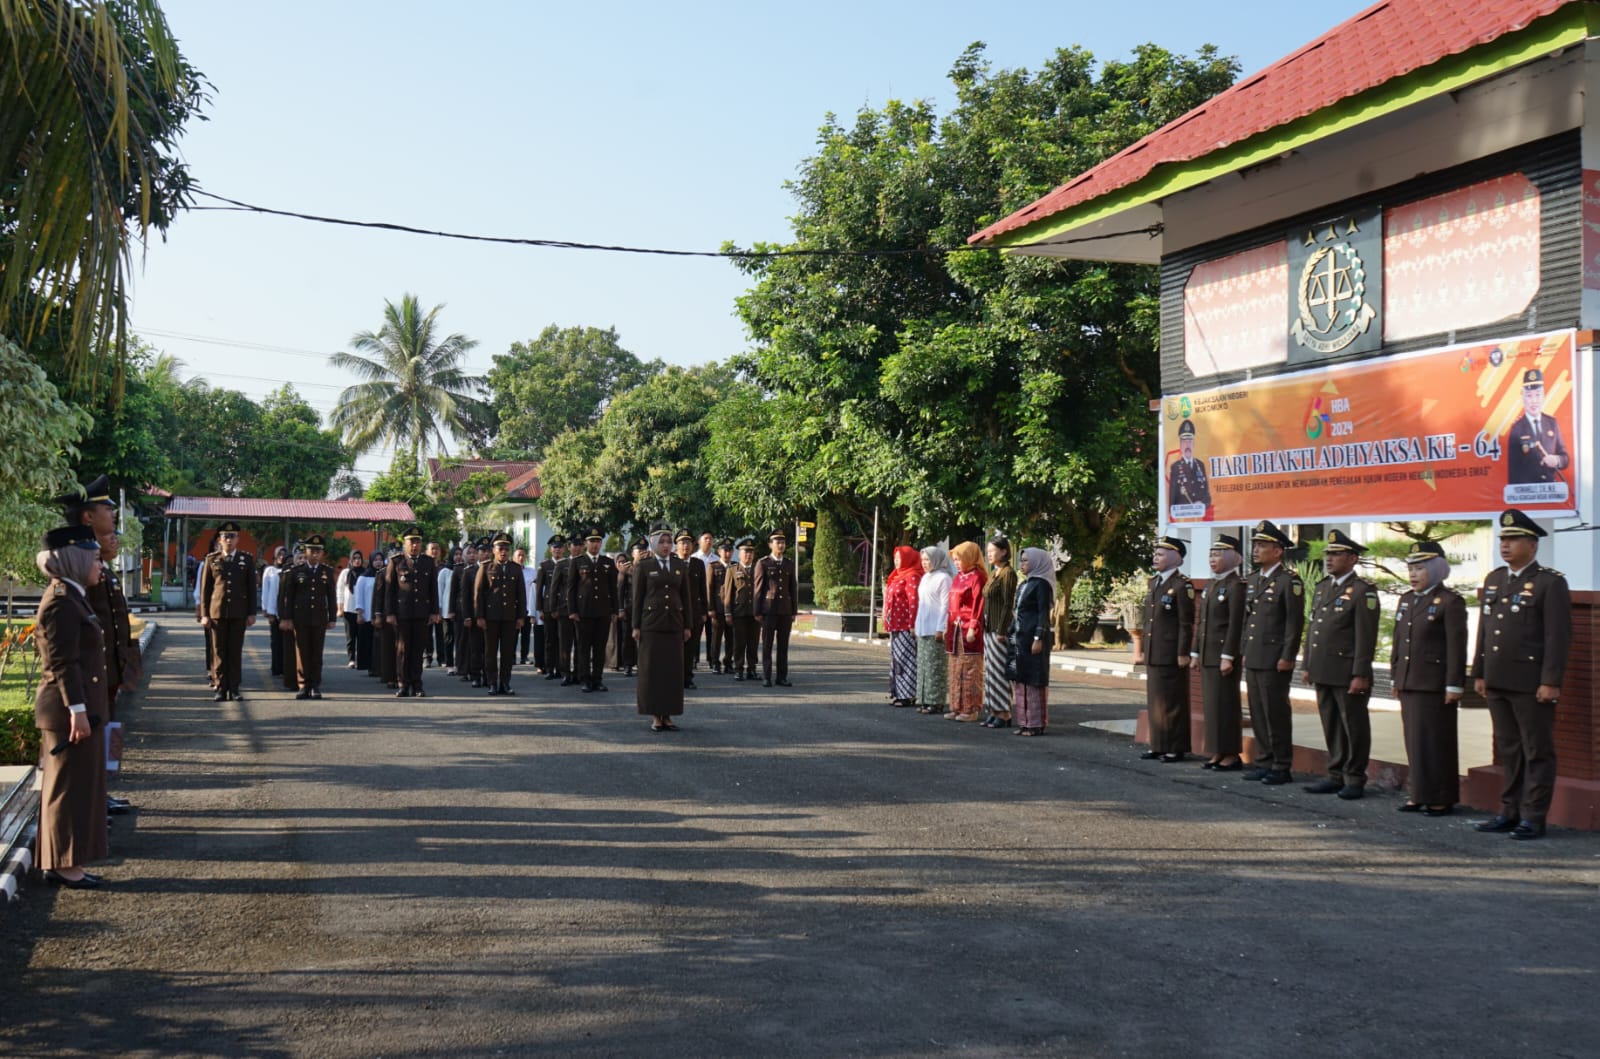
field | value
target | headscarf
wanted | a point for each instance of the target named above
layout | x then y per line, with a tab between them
1438	569
1230	560
70	563
1040	565
938	559
971	556
910	568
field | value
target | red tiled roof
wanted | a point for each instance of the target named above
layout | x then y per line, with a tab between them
1384	42
290	510
522	476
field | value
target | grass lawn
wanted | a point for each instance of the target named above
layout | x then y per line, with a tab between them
19	739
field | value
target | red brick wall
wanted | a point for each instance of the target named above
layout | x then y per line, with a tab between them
1577	734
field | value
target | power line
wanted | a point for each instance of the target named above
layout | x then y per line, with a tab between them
236	206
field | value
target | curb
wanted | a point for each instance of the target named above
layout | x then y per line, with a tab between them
1069	665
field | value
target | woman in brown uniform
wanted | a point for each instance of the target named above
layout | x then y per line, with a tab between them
660	613
1429	667
69	705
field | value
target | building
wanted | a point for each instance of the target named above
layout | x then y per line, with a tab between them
516	511
1364	250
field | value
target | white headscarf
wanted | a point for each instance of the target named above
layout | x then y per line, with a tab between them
1040	565
938	560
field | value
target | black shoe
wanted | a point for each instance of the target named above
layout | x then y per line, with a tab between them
783	682
305	693
587	687
1443	810
1497	824
715	668
1150	755
767	683
552	675
477	682
116	809
88	882
235	696
316	693
1350	792
739	677
1410	807
568	682
690	683
1277	778
599	687
1254	773
1171	758
221	696
403	693
1324	787
1528	830
629	672
418	692
123	802
1237	766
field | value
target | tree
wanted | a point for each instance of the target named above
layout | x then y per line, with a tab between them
967	389
293	457
643	461
443	512
97	95
833	563
562	380
40	431
414	389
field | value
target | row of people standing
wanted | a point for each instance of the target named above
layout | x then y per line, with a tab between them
971	638
1257	624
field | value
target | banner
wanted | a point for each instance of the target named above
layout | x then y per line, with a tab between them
1462	432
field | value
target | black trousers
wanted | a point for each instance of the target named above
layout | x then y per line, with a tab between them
727	646
714	638
541	654
460	648
627	650
275	644
350	624
227	659
364	645
746	636
444	642
590	658
291	660
524	640
473	650
775	630
411	641
567	630
499	647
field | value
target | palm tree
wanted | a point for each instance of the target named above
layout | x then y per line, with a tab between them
414	389
95	95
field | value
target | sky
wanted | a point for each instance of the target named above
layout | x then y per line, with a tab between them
624	123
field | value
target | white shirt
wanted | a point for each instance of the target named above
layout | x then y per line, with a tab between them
933	603
346	589
269	590
707	557
446	576
361	598
530	588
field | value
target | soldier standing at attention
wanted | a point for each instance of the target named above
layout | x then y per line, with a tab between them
627	649
383	634
291	660
124	667
556	600
226	607
776	589
1218	634
1168	637
500	605
1339	647
699	602
307	605
739	604
459	591
591	604
1275	617
411	601
1518	665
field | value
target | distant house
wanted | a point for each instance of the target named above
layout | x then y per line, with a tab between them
517	511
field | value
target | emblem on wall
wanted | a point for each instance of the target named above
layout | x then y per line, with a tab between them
1336	278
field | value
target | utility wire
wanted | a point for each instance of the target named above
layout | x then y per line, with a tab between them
236	206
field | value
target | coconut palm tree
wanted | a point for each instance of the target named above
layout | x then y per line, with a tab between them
414	390
95	96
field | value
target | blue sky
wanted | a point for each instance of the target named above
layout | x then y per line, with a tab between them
621	123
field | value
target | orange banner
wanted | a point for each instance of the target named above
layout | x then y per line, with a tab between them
1462	432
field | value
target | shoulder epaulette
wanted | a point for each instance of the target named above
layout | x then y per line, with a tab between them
1552	571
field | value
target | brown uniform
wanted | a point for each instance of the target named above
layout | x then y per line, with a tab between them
1275	618
1219	630
228	598
592	596
308	600
718	648
739	604
660	609
545	637
1340	643
110	607
699	607
1430	659
411	598
559	625
500	599
1168	636
1523	637
72	671
777	601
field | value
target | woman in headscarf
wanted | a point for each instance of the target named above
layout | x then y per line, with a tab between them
1429	667
999	602
1031	635
964	633
933	602
900	619
69	704
661	623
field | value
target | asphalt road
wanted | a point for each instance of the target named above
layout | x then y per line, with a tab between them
807	872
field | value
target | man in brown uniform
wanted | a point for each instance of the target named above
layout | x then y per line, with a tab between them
1339	647
500	606
1518	665
1274	620
1168	637
307	605
591	604
776	589
559	624
460	591
411	603
739	605
547	634
719	639
699	602
227	606
1219	631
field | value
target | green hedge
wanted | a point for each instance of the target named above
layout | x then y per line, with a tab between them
834	565
847	599
19	739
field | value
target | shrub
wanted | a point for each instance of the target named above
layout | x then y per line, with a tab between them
847	599
19	739
833	563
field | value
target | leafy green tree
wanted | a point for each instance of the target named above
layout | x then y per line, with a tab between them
833	563
562	380
293	457
965	389
97	95
643	461
443	511
414	388
40	431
